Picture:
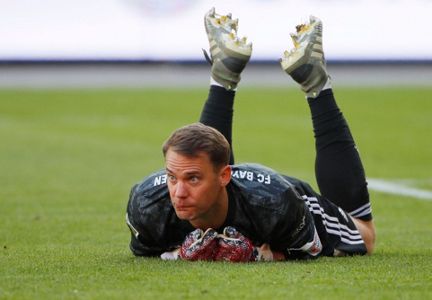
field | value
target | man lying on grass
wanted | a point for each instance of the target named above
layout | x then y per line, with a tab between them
203	207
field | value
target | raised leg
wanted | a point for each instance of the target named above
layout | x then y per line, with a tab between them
339	171
229	56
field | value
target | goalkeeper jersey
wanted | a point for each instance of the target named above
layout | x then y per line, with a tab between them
265	206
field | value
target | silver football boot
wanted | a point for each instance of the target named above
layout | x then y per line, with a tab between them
305	63
229	54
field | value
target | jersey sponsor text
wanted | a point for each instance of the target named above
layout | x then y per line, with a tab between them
251	176
158	180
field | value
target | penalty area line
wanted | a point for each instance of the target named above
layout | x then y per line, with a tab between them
397	188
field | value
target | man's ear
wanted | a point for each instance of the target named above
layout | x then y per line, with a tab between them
225	175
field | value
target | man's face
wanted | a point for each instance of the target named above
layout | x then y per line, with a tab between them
195	187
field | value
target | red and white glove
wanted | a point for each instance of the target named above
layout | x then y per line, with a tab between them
199	245
230	246
234	246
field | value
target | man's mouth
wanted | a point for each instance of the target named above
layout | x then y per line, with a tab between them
182	207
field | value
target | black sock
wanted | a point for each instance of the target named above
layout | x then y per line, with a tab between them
218	112
338	167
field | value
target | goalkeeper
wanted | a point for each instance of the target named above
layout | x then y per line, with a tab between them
204	207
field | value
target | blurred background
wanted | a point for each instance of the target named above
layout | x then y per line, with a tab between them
138	43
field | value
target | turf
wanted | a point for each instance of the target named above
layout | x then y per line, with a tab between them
69	158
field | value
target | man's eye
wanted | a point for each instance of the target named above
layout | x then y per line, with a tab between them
171	178
194	179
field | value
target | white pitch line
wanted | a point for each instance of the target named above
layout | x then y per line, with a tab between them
389	187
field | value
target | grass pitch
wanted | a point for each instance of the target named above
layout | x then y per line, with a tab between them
69	158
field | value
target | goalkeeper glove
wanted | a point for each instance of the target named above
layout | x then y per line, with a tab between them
199	245
235	247
230	246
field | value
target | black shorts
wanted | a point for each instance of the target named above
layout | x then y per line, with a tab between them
335	227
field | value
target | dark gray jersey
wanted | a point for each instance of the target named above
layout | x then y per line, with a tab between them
263	205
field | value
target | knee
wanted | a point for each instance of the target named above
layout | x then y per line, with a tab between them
367	231
370	241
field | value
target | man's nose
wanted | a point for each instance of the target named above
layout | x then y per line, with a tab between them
181	190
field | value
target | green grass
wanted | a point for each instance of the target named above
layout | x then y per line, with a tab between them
69	158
